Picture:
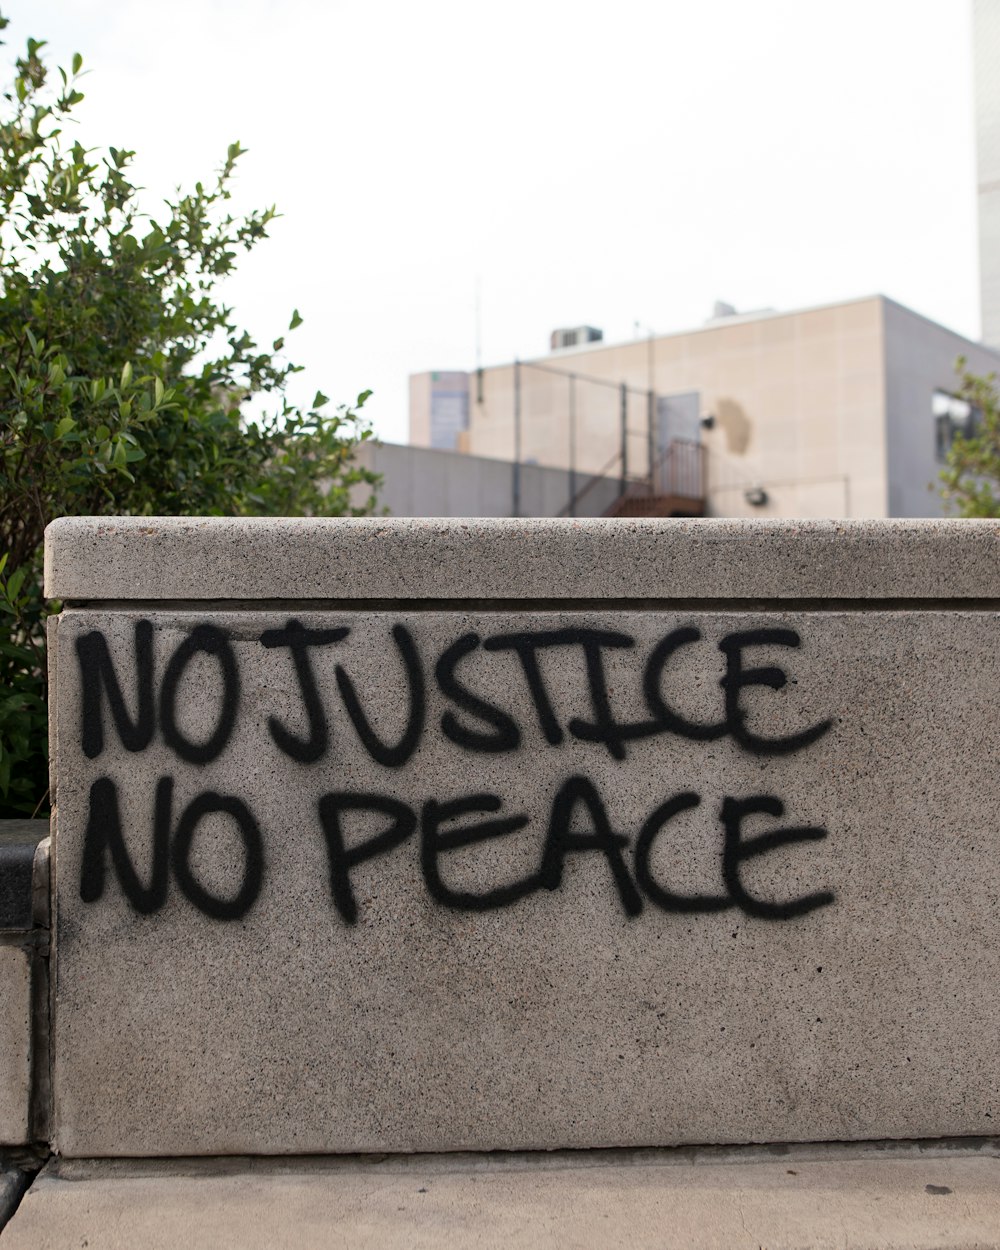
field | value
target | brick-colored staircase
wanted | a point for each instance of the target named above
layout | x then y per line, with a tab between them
637	505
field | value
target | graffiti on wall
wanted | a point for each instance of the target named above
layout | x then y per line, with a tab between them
128	701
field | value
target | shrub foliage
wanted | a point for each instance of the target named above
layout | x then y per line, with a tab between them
970	481
124	381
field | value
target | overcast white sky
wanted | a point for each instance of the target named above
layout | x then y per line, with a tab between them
599	162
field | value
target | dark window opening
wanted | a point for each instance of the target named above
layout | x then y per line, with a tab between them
952	416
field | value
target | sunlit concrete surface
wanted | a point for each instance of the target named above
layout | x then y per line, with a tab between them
775	1200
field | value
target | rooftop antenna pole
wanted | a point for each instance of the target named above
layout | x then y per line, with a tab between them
479	338
479	322
651	409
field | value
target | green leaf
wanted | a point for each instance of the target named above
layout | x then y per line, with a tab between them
64	426
77	62
320	399
126	374
296	320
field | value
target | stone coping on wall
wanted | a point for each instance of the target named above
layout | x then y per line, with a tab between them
19	841
138	559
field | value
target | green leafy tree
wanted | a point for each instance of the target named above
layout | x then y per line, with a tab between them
124	382
970	480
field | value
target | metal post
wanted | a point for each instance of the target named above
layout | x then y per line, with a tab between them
650	439
572	444
624	452
517	439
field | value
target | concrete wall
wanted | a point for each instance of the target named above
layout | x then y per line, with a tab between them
379	835
23	982
920	358
418	481
15	1044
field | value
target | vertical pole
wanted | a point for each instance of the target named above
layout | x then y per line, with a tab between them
624	451
651	384
651	439
479	324
516	485
572	444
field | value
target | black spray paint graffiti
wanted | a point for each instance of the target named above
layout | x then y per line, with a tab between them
471	722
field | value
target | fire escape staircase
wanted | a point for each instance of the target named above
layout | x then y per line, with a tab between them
675	487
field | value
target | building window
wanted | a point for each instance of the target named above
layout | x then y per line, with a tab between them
952	416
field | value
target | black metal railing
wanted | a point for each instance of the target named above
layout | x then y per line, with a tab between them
574	405
678	474
680	470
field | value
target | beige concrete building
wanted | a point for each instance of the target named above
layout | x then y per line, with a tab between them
844	410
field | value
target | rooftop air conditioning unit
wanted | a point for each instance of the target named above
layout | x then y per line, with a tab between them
575	336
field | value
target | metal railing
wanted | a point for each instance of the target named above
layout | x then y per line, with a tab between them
678	474
624	413
571	505
680	470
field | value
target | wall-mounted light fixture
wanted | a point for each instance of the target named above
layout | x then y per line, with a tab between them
756	496
708	421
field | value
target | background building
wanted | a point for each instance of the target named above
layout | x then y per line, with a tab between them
439	409
846	410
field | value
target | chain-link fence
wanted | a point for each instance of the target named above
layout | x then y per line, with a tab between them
621	445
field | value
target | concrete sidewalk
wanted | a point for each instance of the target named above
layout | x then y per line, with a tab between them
920	1197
